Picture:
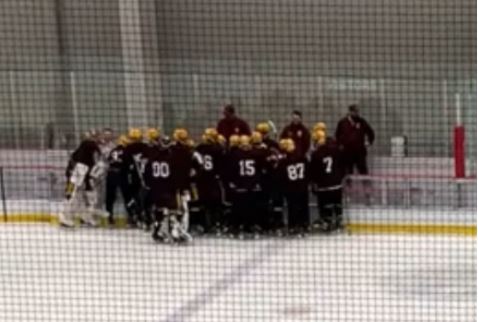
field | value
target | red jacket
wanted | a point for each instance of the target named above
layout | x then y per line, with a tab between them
352	132
300	135
234	125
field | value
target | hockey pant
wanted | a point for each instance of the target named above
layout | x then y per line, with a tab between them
115	180
210	205
135	202
247	210
297	209
82	204
275	204
330	208
169	221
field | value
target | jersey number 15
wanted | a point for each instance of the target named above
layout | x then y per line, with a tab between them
247	168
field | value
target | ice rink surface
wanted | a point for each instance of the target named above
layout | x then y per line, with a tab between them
50	274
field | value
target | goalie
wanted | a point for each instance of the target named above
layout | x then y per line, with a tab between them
164	176
84	173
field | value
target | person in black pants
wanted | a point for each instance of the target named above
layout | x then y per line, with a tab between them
354	135
116	178
293	176
245	171
327	173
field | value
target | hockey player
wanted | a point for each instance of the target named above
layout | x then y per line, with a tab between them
319	126
244	178
106	142
116	177
297	131
272	189
229	151
84	169
221	140
161	173
185	159
208	181
264	128
153	140
327	173
135	160
293	175
267	220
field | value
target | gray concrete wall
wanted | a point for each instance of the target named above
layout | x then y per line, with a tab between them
95	63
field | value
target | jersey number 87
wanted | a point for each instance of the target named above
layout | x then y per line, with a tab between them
296	171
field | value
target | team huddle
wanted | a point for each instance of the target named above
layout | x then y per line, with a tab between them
239	185
235	181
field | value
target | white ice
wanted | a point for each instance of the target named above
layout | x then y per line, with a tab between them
49	274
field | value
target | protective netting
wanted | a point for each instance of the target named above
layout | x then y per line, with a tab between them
370	216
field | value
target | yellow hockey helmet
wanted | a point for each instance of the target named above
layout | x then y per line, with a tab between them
180	135
256	137
152	134
287	145
190	143
263	128
210	135
319	137
221	139
135	134
244	141
234	140
320	126
123	140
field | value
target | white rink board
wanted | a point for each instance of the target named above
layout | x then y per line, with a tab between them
49	274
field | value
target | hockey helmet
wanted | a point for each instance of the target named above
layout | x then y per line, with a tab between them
210	135
234	140
319	137
135	134
152	134
244	141
287	145
320	126
123	140
263	128
256	137
180	135
221	139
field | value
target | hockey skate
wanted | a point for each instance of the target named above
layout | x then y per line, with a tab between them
65	222
178	232
160	232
